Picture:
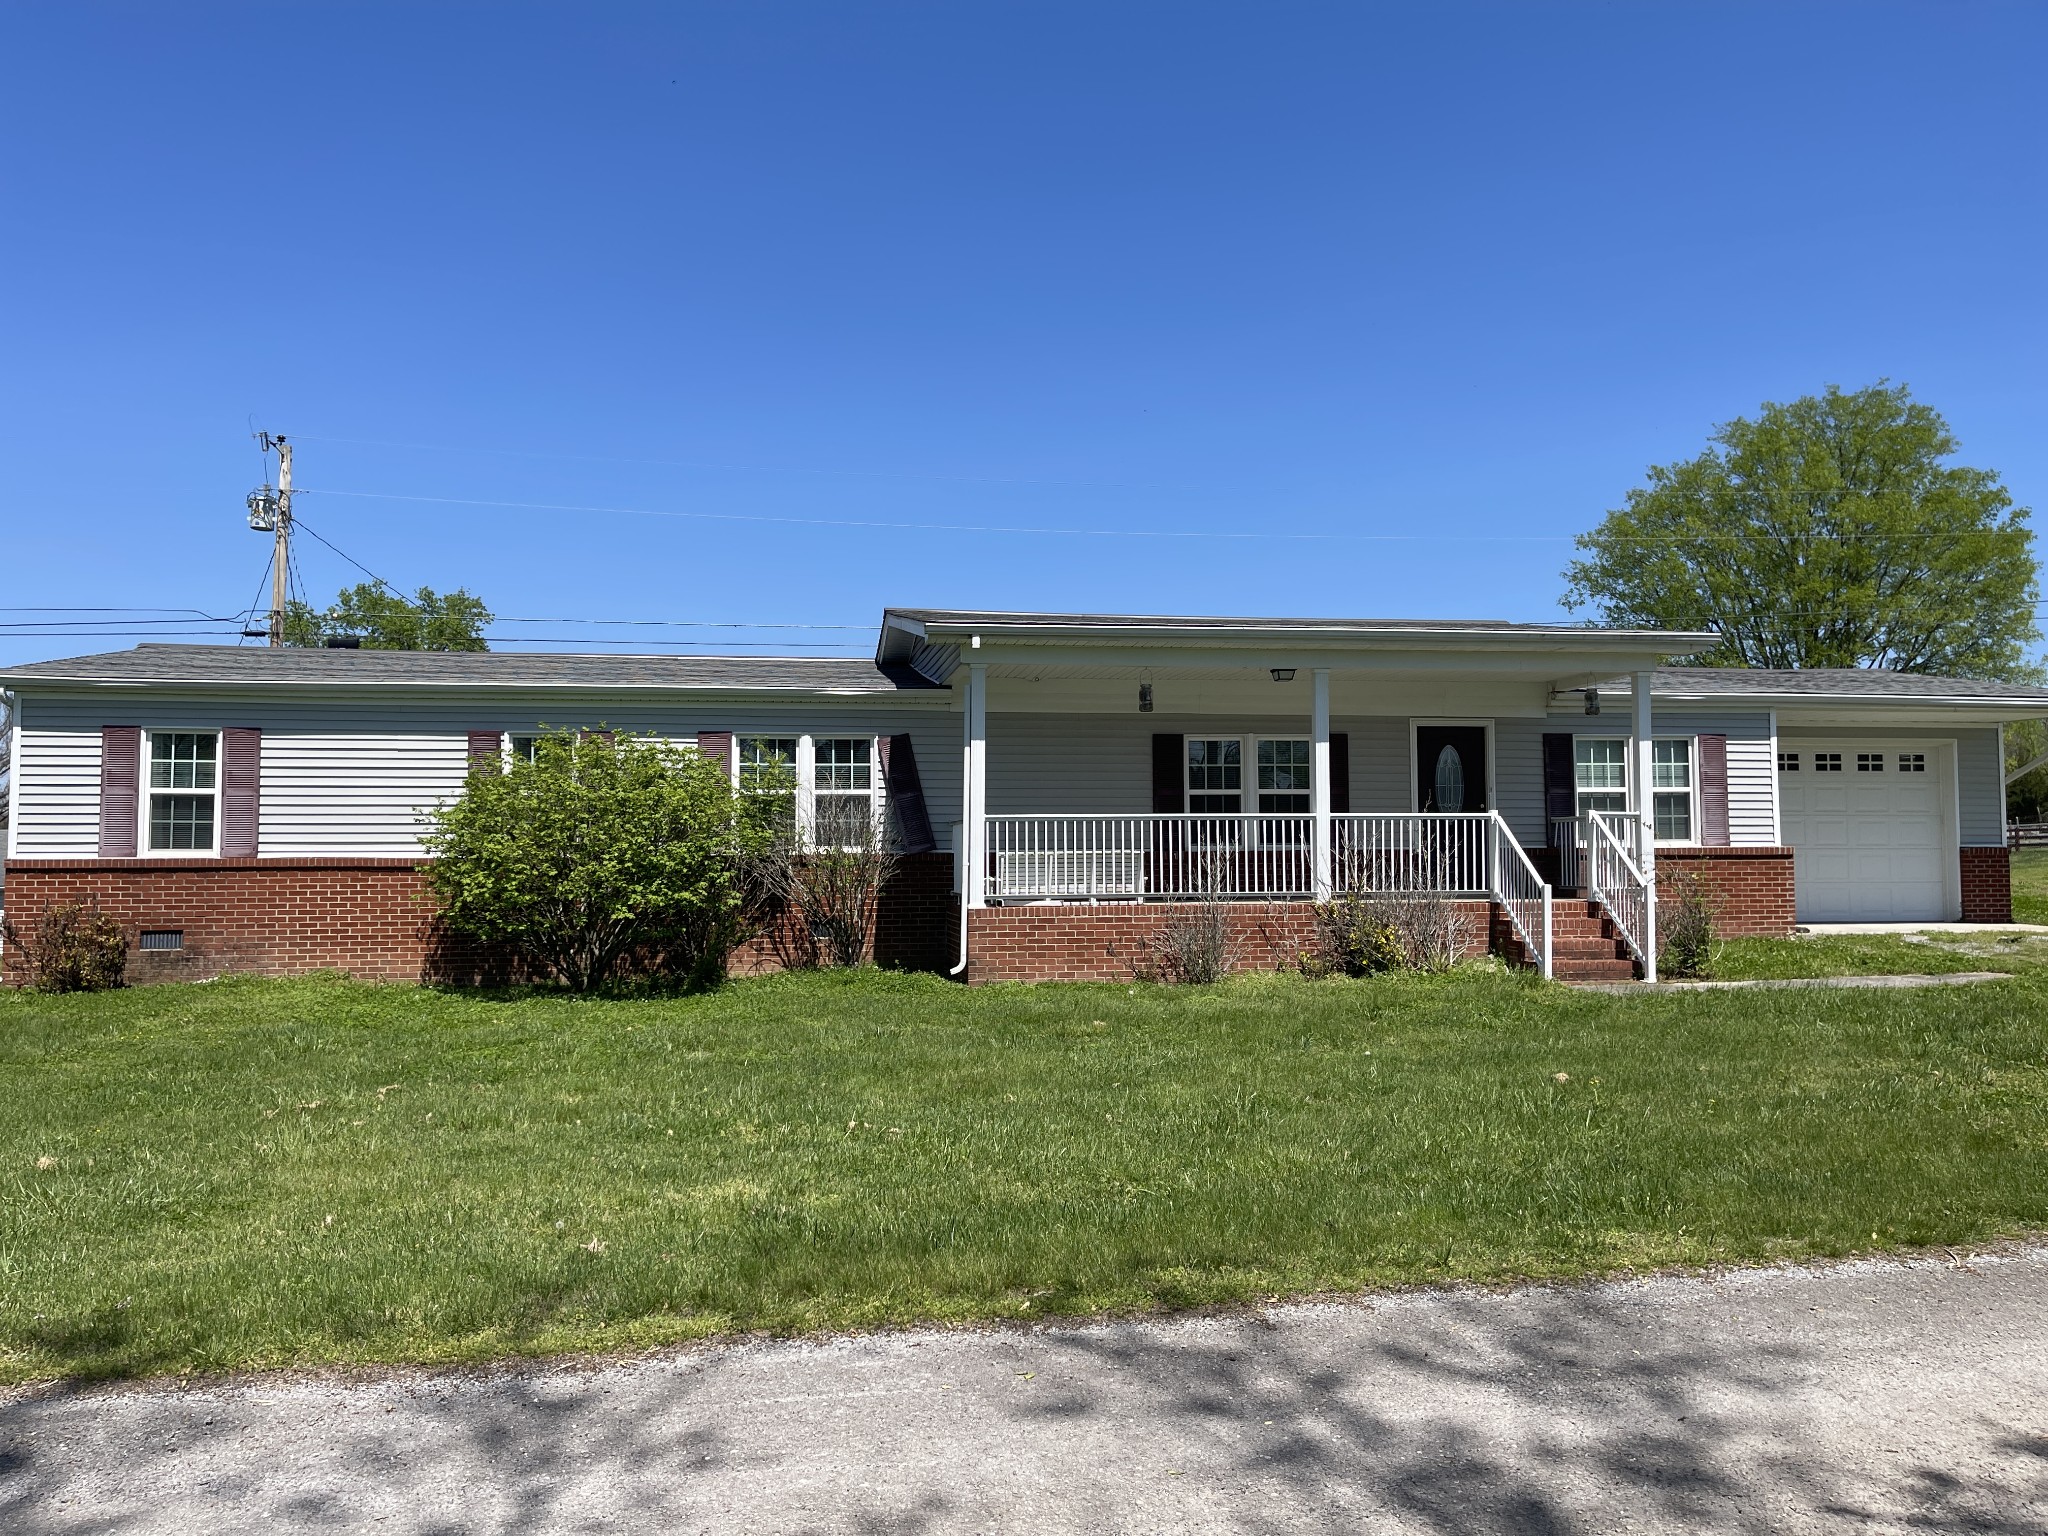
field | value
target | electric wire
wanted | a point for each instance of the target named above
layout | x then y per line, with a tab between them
1231	535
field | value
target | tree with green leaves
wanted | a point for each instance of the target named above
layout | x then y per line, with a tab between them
1831	532
381	619
599	858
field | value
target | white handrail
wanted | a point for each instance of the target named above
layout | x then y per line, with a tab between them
1192	856
1522	893
1617	883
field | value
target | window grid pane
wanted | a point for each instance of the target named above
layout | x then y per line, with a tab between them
1674	818
180	822
767	762
1602	762
1870	762
1671	765
181	760
842	764
1912	762
1827	762
1601	801
1788	762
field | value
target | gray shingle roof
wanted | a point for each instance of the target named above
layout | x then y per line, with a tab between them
967	618
236	665
1821	683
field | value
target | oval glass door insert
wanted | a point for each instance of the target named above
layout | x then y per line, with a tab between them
1450	780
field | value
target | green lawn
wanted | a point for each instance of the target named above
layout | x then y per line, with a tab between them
252	1173
2030	885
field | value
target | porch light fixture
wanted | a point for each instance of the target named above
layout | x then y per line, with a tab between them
1144	698
1592	701
1283	674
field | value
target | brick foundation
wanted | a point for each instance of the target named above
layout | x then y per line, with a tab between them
369	917
1050	941
1987	885
1751	887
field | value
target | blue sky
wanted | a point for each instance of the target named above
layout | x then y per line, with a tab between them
1432	283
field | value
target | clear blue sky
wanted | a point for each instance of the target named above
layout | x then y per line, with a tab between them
1451	273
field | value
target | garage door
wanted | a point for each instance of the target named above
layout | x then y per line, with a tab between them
1870	843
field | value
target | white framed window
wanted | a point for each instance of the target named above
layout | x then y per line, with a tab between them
181	797
1600	769
1870	762
1788	762
834	783
1827	762
843	782
1672	785
1215	775
1284	775
521	749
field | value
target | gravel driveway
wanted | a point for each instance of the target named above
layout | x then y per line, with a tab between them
1871	1396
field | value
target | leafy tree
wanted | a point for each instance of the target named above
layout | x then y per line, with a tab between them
385	620
1831	532
600	857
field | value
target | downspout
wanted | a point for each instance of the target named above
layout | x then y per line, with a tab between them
973	792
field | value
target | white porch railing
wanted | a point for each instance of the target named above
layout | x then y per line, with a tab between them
1607	847
1193	857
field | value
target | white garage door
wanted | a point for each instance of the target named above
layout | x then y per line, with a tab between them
1870	842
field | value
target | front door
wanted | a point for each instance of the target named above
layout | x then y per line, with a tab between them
1450	768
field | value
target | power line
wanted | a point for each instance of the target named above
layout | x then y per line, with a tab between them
778	469
1110	533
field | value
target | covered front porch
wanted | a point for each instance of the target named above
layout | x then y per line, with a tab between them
1140	764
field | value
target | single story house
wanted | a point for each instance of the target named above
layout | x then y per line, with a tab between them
1060	783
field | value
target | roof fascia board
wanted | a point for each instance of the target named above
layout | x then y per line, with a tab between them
936	697
1662	642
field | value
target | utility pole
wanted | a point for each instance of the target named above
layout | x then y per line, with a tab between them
271	512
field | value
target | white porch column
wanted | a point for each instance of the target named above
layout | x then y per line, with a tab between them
1646	818
974	786
1319	799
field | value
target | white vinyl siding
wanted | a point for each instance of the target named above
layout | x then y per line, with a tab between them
57	812
348	776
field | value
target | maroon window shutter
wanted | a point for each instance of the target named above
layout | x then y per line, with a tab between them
241	750
1169	774
486	751
906	795
1714	791
120	789
1340	773
1560	782
717	745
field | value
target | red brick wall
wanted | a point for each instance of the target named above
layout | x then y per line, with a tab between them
1987	885
270	917
1752	887
369	917
916	929
1112	942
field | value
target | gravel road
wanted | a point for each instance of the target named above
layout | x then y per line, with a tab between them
1869	1396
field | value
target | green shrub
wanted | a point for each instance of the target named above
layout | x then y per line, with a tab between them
1355	936
602	858
73	948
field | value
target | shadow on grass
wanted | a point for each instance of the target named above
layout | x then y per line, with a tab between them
1568	1411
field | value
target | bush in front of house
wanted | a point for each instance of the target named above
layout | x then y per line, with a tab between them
605	858
72	948
1686	908
1368	933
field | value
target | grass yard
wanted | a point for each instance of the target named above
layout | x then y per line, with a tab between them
2030	885
253	1173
